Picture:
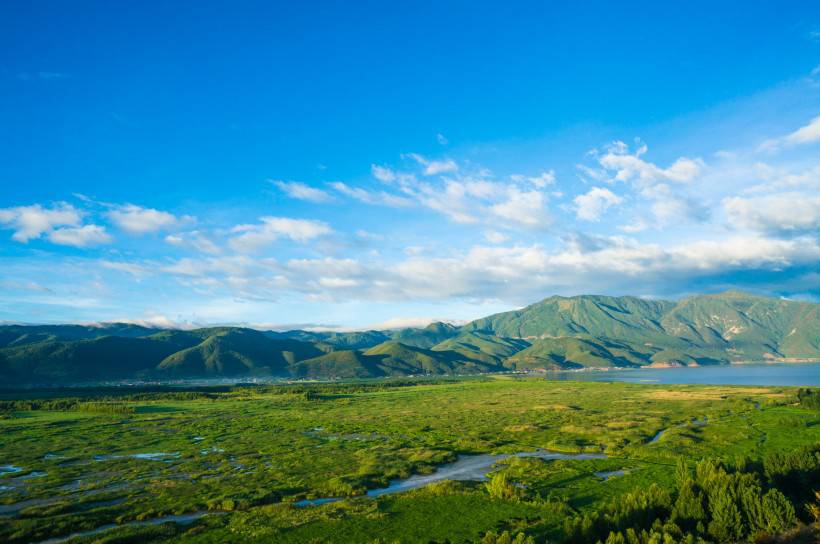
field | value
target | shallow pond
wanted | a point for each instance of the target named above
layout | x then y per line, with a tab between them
657	436
606	475
144	456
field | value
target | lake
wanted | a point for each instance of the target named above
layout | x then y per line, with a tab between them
799	374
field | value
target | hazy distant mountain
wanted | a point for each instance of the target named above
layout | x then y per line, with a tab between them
556	333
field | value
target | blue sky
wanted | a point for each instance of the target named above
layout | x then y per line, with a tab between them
315	165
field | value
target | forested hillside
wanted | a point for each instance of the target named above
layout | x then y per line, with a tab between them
557	333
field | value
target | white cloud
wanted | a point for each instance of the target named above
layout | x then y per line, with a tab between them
543	179
441	139
301	191
158	321
515	274
779	213
29	222
592	205
139	220
370	197
629	167
779	178
524	208
195	240
495	237
85	236
669	209
807	134
434	167
382	173
253	237
667	191
637	225
408	322
133	269
369	236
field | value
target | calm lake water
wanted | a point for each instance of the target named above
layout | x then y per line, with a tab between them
800	374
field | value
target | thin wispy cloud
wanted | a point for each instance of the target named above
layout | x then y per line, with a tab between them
302	191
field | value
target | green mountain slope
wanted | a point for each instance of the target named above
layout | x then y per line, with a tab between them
429	336
480	346
109	357
336	340
705	329
395	359
556	333
230	352
18	335
337	364
626	318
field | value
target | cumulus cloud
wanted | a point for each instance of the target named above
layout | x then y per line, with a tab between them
524	208
139	220
85	236
621	165
513	273
590	206
666	191
30	222
776	213
302	191
253	237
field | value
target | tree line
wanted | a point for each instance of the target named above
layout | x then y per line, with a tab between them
65	405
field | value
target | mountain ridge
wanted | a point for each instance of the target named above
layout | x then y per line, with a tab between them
556	333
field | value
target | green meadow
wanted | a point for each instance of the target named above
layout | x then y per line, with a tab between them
238	460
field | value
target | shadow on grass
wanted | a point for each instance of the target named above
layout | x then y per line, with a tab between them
156	409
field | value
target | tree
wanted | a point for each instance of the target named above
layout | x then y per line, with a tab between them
688	508
726	524
500	487
779	512
506	538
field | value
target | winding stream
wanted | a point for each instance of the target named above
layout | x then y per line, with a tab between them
183	519
657	436
466	468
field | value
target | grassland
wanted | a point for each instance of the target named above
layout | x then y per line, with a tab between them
246	455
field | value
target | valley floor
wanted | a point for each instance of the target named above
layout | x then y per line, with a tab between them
233	465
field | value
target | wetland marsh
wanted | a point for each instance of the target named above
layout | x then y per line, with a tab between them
404	461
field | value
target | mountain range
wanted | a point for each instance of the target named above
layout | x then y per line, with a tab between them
557	333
